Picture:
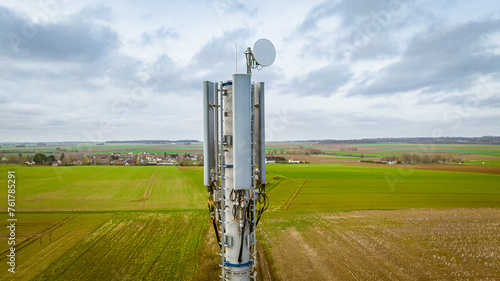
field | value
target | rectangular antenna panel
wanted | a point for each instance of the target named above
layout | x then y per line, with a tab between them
260	131
209	134
242	138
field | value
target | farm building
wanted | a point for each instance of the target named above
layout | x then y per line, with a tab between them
270	161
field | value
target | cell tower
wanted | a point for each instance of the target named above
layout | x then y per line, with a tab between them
234	162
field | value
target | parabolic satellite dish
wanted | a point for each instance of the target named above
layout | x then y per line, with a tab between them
264	52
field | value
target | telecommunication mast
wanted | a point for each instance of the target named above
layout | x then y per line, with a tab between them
234	162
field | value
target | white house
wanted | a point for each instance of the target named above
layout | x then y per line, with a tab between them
270	161
293	161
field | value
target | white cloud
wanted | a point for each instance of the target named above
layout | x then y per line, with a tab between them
344	69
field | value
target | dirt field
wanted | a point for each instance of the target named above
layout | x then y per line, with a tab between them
386	245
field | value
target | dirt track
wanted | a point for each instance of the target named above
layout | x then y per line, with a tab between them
387	245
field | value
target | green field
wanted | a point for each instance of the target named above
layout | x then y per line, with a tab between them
484	163
396	149
110	223
129	246
105	188
492	152
488	146
107	246
152	151
148	222
86	148
356	154
326	187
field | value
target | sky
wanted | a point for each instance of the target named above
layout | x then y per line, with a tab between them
133	70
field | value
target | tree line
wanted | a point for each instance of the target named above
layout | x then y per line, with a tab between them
407	158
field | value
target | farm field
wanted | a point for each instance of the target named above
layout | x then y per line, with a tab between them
312	217
105	188
415	244
467	151
107	246
177	148
327	187
100	222
150	222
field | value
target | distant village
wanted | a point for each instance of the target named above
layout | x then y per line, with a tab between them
118	159
122	159
61	157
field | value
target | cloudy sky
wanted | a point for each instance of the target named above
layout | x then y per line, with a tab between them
126	70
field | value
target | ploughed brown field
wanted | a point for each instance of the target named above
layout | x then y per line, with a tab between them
418	244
